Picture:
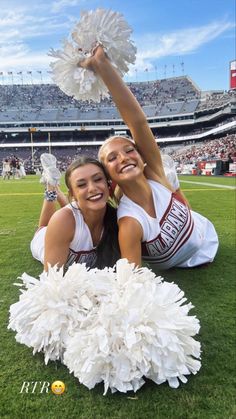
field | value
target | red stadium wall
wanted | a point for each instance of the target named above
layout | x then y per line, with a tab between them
213	167
233	74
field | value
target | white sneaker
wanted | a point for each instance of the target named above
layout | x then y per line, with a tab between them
51	175
48	160
170	171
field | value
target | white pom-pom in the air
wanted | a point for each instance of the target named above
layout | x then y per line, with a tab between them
100	26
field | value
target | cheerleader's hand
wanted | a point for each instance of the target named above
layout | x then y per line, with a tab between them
98	56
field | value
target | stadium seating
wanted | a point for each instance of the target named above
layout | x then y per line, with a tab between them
175	98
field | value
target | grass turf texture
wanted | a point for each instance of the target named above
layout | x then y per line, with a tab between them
209	394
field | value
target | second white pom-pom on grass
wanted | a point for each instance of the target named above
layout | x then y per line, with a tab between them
143	331
112	325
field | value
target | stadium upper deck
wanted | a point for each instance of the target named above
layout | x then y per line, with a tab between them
47	102
50	96
173	107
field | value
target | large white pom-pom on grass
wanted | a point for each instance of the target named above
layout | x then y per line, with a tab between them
114	325
141	330
51	308
95	27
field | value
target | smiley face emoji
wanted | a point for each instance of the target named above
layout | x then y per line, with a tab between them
58	387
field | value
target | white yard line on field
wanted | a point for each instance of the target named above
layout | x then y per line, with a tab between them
217	185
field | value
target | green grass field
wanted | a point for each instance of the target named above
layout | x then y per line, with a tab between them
209	394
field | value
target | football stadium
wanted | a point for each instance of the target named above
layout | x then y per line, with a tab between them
196	128
121	348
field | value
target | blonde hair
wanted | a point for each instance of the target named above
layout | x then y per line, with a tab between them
109	140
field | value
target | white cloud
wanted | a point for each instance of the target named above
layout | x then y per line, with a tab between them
29	26
19	28
11	18
19	57
7	36
58	5
13	50
153	46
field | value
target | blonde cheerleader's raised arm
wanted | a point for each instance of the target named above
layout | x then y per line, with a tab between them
91	65
129	108
101	42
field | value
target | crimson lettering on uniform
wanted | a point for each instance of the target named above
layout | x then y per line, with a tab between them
173	222
88	257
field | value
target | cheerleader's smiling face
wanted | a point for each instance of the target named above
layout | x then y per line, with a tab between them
89	187
121	160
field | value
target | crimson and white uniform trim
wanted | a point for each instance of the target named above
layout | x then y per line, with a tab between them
177	237
81	247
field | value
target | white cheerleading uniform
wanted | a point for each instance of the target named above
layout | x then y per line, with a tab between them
177	237
81	248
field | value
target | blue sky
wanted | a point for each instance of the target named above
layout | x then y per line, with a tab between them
175	37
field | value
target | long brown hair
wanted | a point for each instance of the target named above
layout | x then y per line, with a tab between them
108	251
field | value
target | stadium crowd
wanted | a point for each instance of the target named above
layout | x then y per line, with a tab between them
50	96
46	102
40	102
216	100
223	148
